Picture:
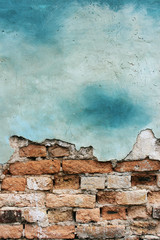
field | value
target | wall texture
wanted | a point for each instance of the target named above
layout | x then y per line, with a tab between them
49	191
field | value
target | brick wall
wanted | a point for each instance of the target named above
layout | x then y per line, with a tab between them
50	192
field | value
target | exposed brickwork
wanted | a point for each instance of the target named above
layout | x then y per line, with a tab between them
33	151
58	151
66	182
46	195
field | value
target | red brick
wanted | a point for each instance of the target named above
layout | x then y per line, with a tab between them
102	232
33	150
70	200
66	182
11	232
143	179
35	167
88	215
113	212
14	184
138	166
58	151
106	197
86	166
55	231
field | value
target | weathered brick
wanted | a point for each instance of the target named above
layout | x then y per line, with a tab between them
66	182
33	150
158	180
10	216
33	215
106	197
98	232
92	183
14	184
35	167
132	197
143	227
118	181
67	200
39	183
88	215
156	211
143	179
55	231
86	166
11	232
22	200
58	151
113	212
154	197
138	166
60	215
137	212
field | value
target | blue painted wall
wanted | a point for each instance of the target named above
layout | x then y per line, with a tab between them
85	72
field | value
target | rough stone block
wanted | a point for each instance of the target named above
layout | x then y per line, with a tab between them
137	212
33	150
10	216
66	182
51	232
35	167
143	179
33	215
58	151
14	184
156	211
106	197
100	232
86	166
132	197
118	181
67	200
143	227
39	183
60	215
138	166
22	200
11	232
92	183
88	215
113	212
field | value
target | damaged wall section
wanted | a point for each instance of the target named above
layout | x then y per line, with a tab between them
50	190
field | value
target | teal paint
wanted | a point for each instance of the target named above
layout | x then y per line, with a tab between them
85	72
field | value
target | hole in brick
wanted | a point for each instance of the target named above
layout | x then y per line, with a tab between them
112	212
23	226
74	215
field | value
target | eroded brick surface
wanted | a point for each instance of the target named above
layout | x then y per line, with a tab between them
55	231
138	212
118	181
92	183
132	197
33	150
66	182
70	200
11	232
86	166
58	151
88	215
60	215
14	184
10	216
35	167
107	197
